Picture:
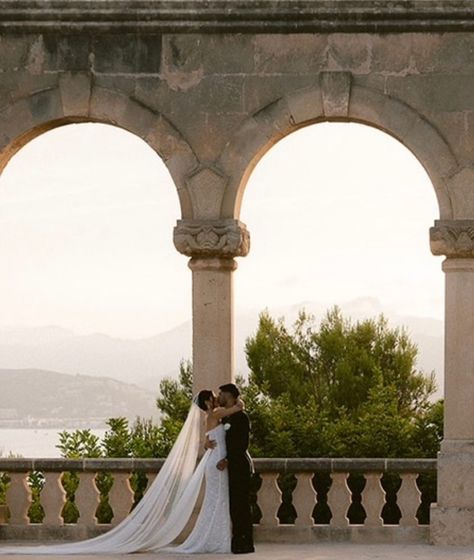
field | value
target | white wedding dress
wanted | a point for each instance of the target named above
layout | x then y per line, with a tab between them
212	531
166	507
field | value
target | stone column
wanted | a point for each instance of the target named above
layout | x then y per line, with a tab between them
212	246
452	517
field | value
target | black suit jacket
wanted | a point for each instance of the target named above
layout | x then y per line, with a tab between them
237	438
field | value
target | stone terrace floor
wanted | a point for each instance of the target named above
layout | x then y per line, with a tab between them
323	551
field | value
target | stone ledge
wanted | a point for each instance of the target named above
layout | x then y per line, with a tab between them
280	465
24	534
387	534
251	16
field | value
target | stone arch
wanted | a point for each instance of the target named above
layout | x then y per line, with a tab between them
336	99
77	100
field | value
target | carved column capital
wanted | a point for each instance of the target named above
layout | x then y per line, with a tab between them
221	239
453	238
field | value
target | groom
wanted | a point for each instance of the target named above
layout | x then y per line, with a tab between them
240	466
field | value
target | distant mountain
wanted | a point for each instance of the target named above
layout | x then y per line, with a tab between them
34	396
145	361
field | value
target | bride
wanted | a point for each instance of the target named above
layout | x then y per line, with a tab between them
164	510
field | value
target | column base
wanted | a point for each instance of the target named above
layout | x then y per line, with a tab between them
452	517
456	474
451	526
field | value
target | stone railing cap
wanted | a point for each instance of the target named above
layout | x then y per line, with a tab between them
345	465
280	465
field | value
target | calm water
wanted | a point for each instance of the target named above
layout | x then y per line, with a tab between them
35	442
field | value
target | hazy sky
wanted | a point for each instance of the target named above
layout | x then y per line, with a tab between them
336	211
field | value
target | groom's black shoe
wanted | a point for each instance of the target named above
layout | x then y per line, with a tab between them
245	550
242	546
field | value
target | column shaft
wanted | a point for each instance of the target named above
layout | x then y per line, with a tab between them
213	322
459	350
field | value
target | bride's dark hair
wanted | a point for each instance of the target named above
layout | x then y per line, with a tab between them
203	396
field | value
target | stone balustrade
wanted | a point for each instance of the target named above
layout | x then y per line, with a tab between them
296	500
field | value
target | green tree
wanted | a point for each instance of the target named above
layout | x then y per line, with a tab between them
338	389
176	394
173	402
338	362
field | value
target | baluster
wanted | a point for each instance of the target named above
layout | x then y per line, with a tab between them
269	499
339	499
87	499
53	498
121	497
304	500
408	499
150	479
18	498
373	499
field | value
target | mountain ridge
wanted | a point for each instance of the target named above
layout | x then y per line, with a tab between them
144	361
33	396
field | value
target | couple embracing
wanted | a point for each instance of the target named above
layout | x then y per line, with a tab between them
228	430
224	521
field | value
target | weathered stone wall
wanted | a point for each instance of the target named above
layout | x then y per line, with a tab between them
219	100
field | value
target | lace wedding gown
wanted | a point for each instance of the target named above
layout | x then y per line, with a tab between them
167	505
212	531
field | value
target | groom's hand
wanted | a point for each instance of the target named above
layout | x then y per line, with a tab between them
222	464
210	443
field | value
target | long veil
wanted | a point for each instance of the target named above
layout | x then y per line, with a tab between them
161	514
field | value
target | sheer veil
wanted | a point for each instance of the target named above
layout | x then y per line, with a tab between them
161	514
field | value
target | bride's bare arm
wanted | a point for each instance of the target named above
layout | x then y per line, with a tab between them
220	411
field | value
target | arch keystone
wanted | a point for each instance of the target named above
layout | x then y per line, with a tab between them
75	91
335	91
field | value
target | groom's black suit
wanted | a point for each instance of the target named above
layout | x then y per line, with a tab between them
240	468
